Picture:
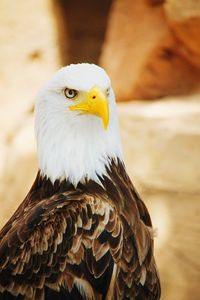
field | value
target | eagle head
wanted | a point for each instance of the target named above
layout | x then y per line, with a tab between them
76	124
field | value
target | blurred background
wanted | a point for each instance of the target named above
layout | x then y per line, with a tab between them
151	50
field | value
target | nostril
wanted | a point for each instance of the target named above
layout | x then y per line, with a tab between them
93	97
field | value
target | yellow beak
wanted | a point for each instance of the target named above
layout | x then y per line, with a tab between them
96	103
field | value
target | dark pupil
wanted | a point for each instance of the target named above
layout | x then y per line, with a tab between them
71	92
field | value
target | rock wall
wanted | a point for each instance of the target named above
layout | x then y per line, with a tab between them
152	48
164	146
28	56
81	27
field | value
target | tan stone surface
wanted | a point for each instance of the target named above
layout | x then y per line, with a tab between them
28	57
163	145
28	53
176	217
184	21
182	10
19	168
130	41
148	54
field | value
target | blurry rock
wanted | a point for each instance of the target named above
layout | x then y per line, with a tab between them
28	56
162	143
176	217
184	19
81	26
182	10
19	168
144	55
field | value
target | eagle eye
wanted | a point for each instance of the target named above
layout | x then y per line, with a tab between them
70	93
108	91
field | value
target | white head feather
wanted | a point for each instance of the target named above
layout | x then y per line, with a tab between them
70	145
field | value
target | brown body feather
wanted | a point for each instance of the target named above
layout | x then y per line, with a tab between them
89	242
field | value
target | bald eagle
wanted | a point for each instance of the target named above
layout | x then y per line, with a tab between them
82	232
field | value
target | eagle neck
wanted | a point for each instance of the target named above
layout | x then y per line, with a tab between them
44	188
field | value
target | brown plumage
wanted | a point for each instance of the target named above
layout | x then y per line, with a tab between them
92	242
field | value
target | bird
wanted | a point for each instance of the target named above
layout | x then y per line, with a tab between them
82	232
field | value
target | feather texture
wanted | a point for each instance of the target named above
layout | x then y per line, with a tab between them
89	242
